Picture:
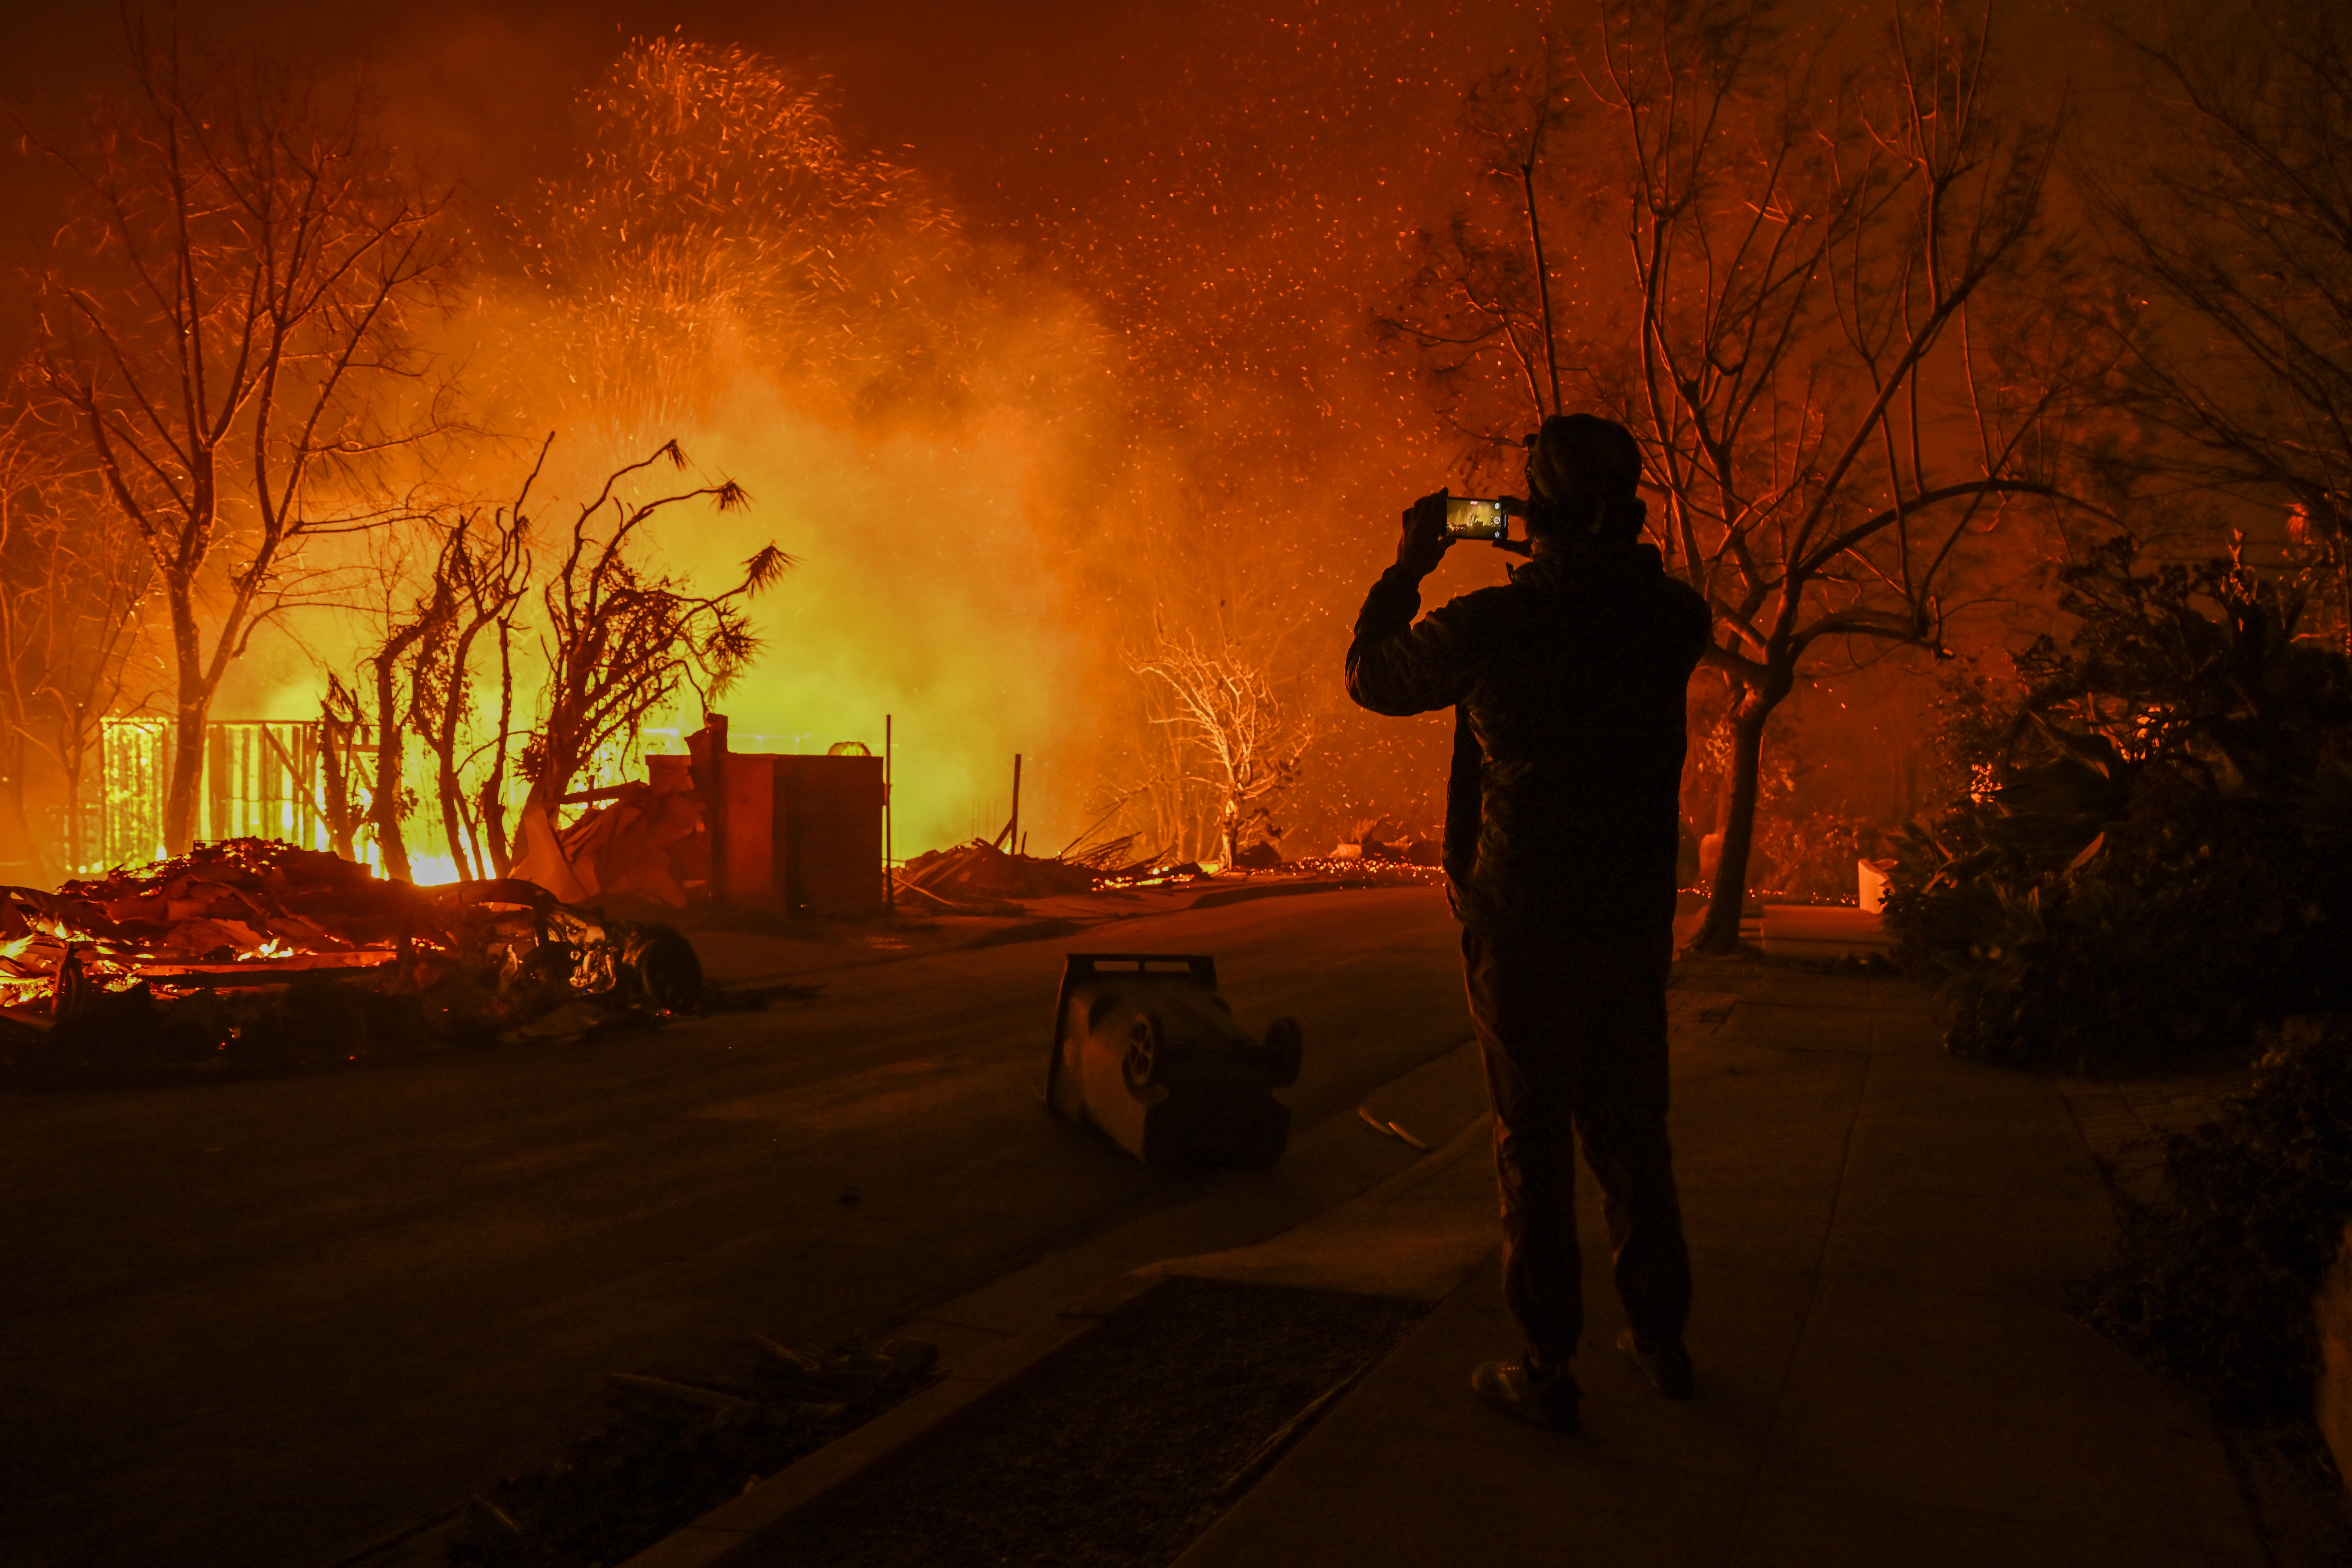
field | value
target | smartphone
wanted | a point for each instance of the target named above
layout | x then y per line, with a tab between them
1469	517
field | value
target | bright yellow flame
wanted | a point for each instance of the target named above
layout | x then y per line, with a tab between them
433	870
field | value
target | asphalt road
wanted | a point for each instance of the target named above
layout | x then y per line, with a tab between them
263	1323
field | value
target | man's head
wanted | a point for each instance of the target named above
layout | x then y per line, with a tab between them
1582	474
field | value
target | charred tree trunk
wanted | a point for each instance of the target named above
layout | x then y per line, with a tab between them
1720	931
338	789
193	706
495	845
454	826
338	723
441	736
391	738
383	802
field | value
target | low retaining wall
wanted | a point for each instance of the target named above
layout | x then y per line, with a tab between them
1822	931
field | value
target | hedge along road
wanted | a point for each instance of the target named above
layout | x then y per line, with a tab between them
265	1323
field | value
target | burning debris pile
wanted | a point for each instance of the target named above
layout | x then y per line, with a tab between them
980	878
251	955
1154	874
978	875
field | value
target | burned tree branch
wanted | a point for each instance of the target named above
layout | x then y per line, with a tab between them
1798	258
621	641
232	303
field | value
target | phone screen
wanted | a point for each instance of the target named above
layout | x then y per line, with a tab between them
1468	517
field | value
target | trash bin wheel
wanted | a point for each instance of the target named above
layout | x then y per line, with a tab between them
1284	1046
1146	1047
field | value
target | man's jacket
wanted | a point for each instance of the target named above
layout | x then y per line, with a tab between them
1563	813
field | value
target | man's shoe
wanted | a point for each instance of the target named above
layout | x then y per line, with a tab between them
1545	1396
1669	1368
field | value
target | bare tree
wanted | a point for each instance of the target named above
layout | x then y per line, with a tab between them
71	578
484	567
427	627
385	704
227	322
1786	290
620	638
419	674
2227	201
1158	800
1233	732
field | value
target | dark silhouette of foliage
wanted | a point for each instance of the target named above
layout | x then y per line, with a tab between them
2215	1281
483	570
2225	203
621	638
2157	866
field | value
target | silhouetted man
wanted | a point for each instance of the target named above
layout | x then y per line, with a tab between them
1562	819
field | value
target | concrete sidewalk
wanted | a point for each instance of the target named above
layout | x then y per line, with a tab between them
1883	1238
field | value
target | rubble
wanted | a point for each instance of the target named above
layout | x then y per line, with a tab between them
252	955
644	838
1151	874
978	874
980	878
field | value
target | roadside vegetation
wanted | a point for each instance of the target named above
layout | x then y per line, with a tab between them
2154	870
2151	867
2154	866
2215	1281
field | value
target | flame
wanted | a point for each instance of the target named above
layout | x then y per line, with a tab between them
431	870
906	377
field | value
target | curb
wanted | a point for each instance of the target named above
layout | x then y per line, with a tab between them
733	1522
801	1482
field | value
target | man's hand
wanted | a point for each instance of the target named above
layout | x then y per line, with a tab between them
1424	541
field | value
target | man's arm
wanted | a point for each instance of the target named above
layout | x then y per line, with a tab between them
1465	801
1393	666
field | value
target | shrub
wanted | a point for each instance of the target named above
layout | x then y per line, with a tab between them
2215	1281
2158	861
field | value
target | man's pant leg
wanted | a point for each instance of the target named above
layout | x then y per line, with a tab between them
1620	1000
1573	1035
1530	1079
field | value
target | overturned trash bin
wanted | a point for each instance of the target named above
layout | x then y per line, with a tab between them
1145	1049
